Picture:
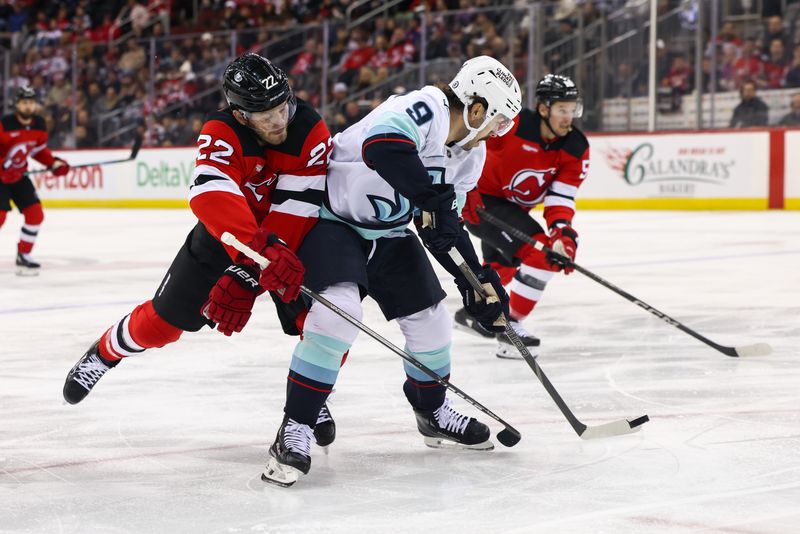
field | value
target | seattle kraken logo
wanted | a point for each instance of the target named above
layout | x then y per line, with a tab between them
388	211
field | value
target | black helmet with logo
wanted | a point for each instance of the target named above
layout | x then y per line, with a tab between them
557	88
26	92
251	83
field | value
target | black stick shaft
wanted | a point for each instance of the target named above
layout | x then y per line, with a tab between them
522	236
137	144
576	425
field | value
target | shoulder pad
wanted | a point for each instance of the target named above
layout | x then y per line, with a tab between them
247	139
38	123
575	143
10	122
528	128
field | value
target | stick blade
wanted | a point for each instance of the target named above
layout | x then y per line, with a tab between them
509	437
757	349
615	428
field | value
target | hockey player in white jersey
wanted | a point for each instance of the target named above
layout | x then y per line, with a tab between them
420	152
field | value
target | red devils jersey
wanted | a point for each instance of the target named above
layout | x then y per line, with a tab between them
526	170
240	184
19	141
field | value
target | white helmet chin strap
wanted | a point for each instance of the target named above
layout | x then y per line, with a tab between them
473	132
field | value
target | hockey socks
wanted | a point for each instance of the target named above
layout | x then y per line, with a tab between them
30	228
422	392
142	329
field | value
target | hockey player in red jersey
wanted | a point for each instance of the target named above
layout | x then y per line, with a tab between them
544	160
259	174
23	134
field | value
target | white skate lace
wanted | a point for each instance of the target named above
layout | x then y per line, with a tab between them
90	371
324	415
519	329
450	419
297	437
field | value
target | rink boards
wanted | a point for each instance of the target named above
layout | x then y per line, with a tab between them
739	170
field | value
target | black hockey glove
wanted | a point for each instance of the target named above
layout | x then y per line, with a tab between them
440	228
488	314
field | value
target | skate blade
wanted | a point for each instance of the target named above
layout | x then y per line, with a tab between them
513	354
441	443
280	475
26	271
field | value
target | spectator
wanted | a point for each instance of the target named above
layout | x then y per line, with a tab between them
793	74
751	111
774	30
775	67
727	69
680	76
749	65
793	117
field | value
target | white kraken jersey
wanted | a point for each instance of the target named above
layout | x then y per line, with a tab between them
358	196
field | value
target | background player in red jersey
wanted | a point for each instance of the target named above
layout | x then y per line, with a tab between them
544	160
259	174
23	134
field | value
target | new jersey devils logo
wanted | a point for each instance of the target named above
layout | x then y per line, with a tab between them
17	156
529	186
264	186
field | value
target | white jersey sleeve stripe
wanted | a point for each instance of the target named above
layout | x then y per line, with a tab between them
291	182
552	200
296	207
208	169
563	189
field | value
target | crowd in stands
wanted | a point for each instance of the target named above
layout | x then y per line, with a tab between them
107	71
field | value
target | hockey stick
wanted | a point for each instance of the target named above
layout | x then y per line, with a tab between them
137	144
756	349
509	436
615	428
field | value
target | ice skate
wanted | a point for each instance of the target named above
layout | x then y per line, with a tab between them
290	455
325	429
445	428
506	349
464	322
26	266
85	374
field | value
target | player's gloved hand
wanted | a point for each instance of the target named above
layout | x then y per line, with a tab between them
488	312
60	167
470	211
230	301
440	227
564	242
284	274
10	176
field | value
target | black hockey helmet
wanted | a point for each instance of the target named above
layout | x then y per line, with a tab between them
26	92
251	83
557	88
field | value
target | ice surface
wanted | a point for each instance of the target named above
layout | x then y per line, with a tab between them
175	440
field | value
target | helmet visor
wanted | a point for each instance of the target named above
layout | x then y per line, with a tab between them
500	125
279	116
562	109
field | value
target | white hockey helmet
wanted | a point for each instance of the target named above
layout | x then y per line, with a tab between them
487	78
